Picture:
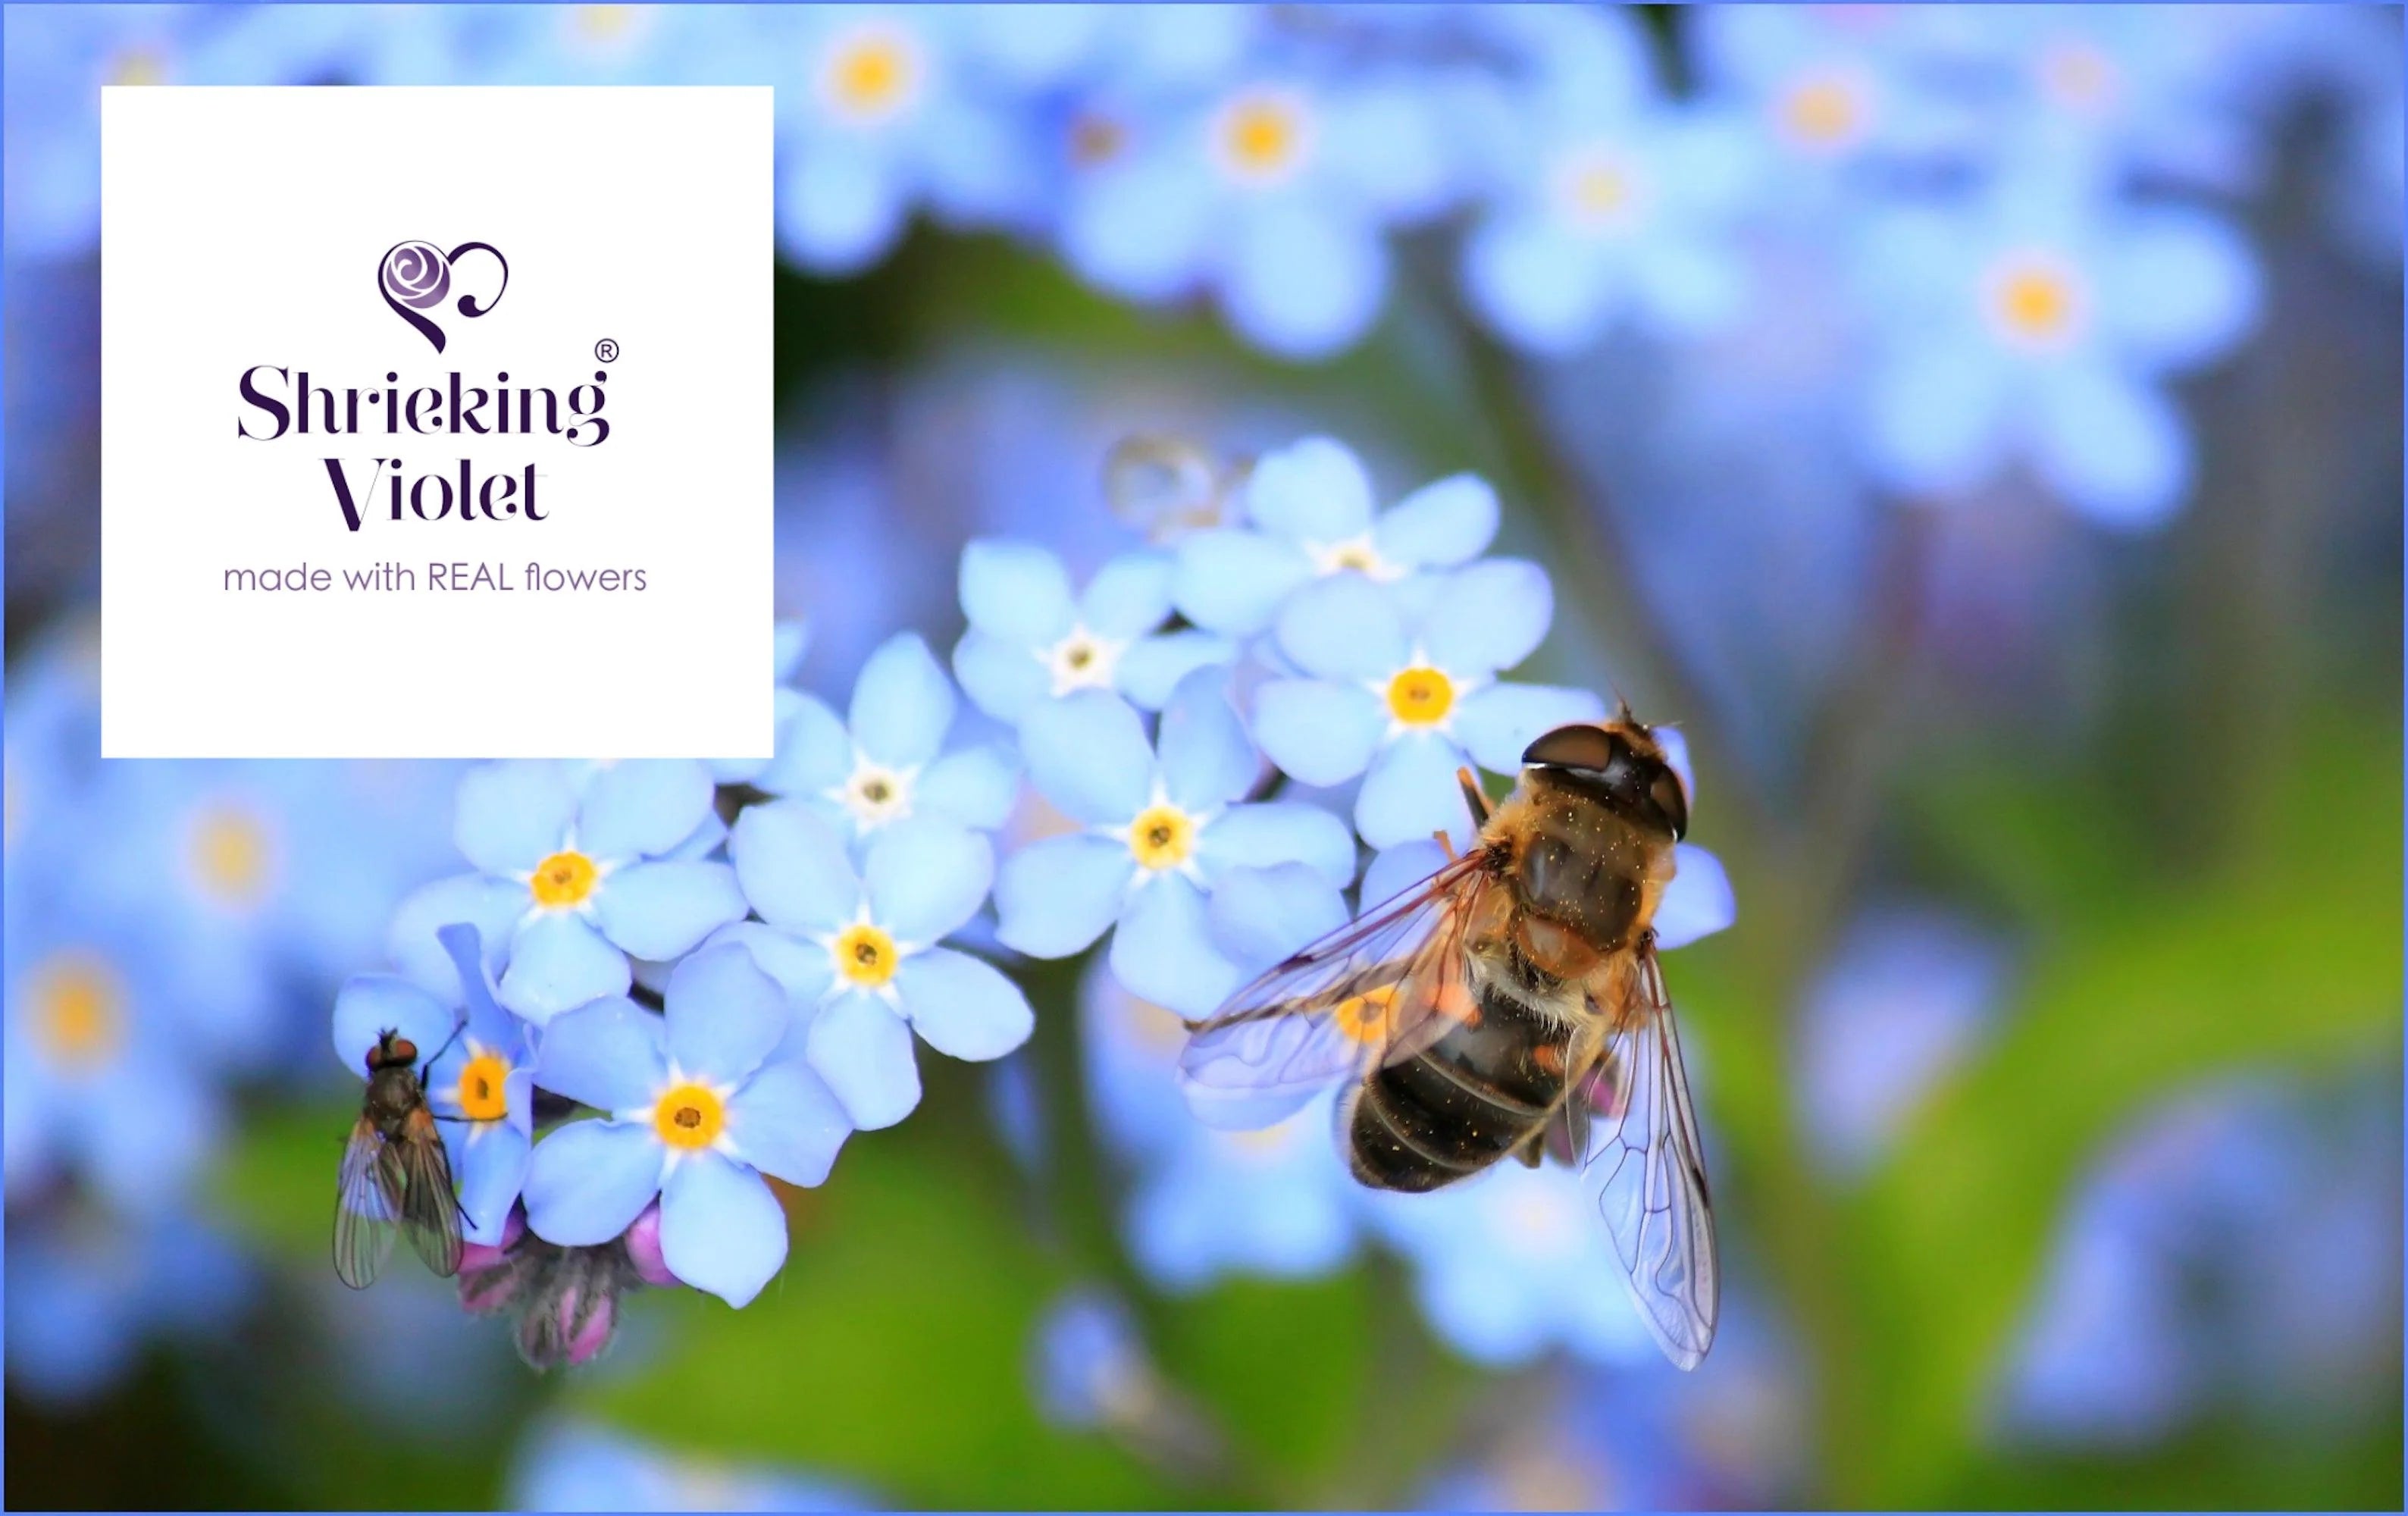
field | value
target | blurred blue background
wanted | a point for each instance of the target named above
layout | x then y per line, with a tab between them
1978	427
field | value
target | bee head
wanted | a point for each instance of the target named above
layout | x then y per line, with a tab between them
1621	762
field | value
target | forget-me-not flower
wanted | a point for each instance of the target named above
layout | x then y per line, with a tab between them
479	1068
1312	514
2041	325
888	761
1031	639
575	872
857	951
696	1111
1161	824
1407	697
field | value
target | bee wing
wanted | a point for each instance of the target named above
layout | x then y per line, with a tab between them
430	1212
1366	991
1642	1155
368	1205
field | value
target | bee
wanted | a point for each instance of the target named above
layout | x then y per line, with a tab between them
396	1172
1510	1004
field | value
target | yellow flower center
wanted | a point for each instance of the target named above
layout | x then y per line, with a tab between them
689	1116
1421	696
871	75
1162	837
1364	1017
1824	112
139	67
1096	139
1262	136
1597	189
865	955
2036	303
78	1007
479	1088
230	854
604	24
563	879
2078	75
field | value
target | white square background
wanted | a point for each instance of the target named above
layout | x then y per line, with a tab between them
244	226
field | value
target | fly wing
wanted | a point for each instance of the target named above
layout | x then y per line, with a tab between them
430	1212
1643	1157
368	1199
1379	989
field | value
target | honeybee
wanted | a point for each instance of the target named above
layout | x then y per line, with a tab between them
396	1172
1511	1002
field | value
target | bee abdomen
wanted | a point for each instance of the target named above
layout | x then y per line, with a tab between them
1457	1106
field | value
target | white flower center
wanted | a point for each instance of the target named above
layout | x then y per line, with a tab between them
1081	661
1359	553
874	794
1600	190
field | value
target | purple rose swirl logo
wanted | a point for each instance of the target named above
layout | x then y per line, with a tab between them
415	277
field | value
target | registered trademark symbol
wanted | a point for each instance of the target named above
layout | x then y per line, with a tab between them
606	352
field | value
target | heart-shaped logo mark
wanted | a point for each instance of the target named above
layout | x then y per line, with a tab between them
415	277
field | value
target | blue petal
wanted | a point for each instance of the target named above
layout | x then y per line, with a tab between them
491	1173
609	1056
370	1004
1232	581
1261	915
902	703
464	946
657	911
789	640
2178	286
725	1014
1087	754
1163	950
1138	229
1343	628
2115	448
1937	415
1002	679
1487	617
1314	491
1497	724
787	1123
722	1230
559	962
513	815
791	861
801	968
1056	896
838	207
1016	592
1207	759
1410	791
1441	525
1279	832
863	1049
491	906
926	877
975	786
1129	597
1538	288
1697	902
1303	280
144	1136
814	752
964	1006
1151	667
1319	733
1394	871
588	1181
641	808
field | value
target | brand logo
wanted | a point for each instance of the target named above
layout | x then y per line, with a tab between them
415	277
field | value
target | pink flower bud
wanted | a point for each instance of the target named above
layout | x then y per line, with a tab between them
644	1243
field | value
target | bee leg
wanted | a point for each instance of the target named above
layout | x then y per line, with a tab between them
1472	798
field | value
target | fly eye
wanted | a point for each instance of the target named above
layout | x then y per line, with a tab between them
401	1051
1672	798
1586	746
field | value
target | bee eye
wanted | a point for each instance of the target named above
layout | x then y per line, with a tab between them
1573	746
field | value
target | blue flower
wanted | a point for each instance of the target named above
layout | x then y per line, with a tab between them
2040	326
694	1111
1407	698
857	951
572	1465
1513	1263
1313	515
875	117
480	1073
1031	640
86	1288
1609	205
889	763
577	871
1088	1364
1159	833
